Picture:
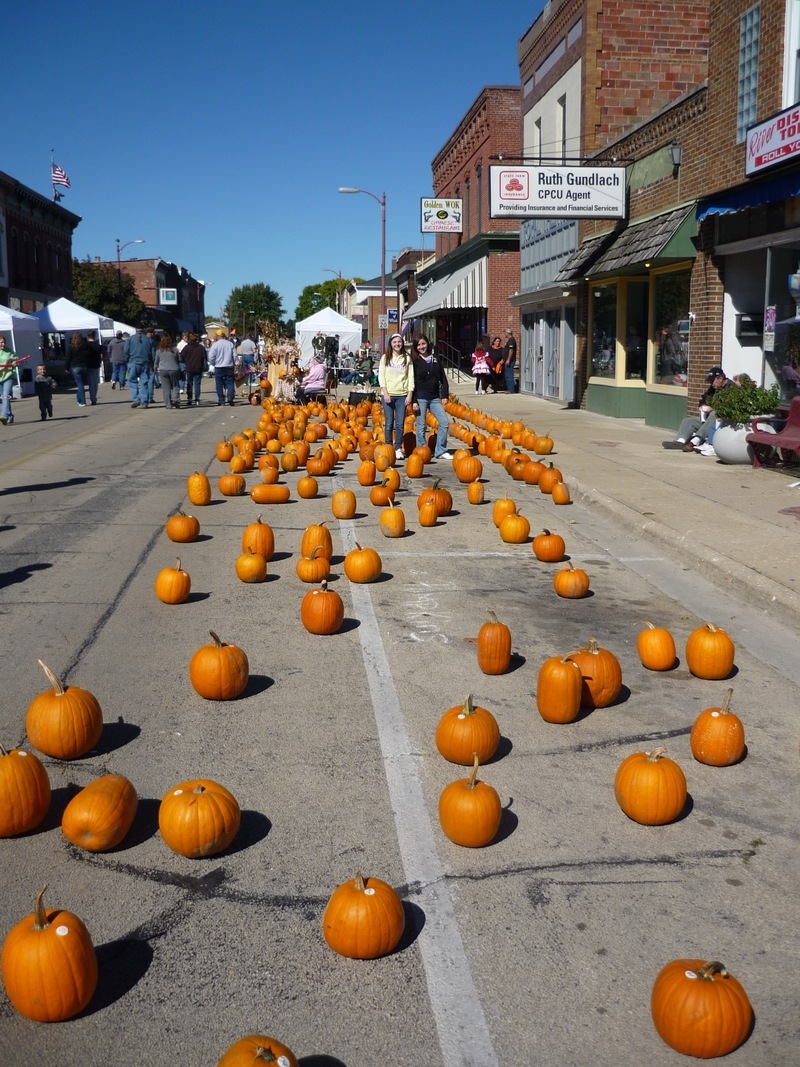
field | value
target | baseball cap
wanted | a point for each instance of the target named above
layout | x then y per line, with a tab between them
713	373
219	333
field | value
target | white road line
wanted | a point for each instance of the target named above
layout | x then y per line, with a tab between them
464	1037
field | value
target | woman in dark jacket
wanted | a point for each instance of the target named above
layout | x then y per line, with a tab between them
194	360
77	362
430	389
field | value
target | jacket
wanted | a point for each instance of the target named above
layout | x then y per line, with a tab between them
430	380
221	354
194	357
139	348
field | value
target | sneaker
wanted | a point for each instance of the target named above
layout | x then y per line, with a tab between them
706	450
113	385
3	420
673	444
135	404
444	455
398	453
690	446
81	405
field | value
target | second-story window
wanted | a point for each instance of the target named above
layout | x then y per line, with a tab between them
747	85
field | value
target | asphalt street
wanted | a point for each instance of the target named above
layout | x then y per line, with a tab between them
540	948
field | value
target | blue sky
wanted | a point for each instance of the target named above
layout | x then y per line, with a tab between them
220	133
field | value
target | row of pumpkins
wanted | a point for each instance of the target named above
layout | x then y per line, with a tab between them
364	917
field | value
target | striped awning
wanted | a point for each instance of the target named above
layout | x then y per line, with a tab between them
464	288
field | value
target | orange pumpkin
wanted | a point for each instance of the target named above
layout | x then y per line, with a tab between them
24	792
258	537
313	568
710	652
173	585
232	485
503	507
470	811
601	673
475	492
717	737
219	671
549	477
255	1049
307	487
570	582
656	648
322	610
465	731
560	493
343	504
363	919
392	521
198	489
269	494
101	814
65	721
440	495
415	465
700	1009
182	528
317	535
548	547
558	690
514	529
650	788
362	565
198	817
251	567
494	646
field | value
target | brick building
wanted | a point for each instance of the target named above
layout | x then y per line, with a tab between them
156	282
35	247
462	294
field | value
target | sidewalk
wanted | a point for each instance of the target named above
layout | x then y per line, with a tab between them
738	526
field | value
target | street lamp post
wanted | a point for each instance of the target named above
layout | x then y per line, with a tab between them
381	200
135	241
338	274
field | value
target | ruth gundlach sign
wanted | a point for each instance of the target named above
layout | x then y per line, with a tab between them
441	216
557	192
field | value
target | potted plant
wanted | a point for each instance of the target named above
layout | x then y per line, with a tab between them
735	407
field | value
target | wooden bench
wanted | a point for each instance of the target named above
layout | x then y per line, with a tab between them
769	446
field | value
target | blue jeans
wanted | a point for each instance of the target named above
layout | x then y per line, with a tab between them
118	372
394	412
139	381
94	381
5	395
81	376
193	379
441	416
509	376
223	376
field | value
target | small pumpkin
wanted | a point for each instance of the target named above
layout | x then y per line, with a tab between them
428	514
182	528
650	788
392	521
259	537
549	547
380	494
558	690
232	484
467	730
262	493
219	671
470	811
415	465
101	814
543	444
363	919
48	964
601	673
514	529
316	535
440	495
198	489
65	721
700	1009
24	792
559	494
198	817
503	507
710	652
343	504
313	568
494	646
322	610
307	487
224	450
251	567
548	478
717	736
173	585
255	1049
475	492
571	583
362	565
656	648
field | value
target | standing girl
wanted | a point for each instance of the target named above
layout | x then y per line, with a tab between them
481	368
396	380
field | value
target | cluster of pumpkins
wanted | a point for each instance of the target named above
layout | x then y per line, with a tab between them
364	917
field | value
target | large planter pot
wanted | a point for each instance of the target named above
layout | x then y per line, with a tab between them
730	444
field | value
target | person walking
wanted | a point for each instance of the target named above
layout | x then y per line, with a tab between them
430	389
481	368
194	361
77	363
167	367
8	361
510	361
43	386
495	353
396	381
140	353
222	356
95	363
118	359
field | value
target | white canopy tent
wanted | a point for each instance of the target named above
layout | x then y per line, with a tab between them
62	316
24	337
328	322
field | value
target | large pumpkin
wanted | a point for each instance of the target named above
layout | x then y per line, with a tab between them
64	722
258	1049
182	528
656	648
198	489
650	788
548	547
316	535
494	646
343	504
258	537
470	811
251	567
364	919
362	565
48	964
717	737
558	689
219	671
198	818
100	816
24	792
710	652
467	730
313	568
571	583
601	673
700	1009
322	610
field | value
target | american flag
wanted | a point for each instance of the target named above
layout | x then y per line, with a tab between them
60	177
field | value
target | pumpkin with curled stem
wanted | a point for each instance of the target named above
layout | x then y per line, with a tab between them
198	817
24	791
48	964
219	671
650	788
700	1009
656	647
467	730
470	811
65	721
313	568
710	652
717	737
364	919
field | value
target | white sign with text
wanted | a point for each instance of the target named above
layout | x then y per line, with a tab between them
556	192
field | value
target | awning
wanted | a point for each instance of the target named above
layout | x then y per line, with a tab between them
662	239
753	195
464	288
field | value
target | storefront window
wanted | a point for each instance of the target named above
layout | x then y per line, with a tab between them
604	330
782	344
636	331
671	322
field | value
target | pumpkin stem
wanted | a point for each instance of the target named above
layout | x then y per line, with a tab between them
474	776
725	709
55	682
3	751
469	707
492	616
199	789
324	585
177	564
39	914
593	645
215	639
656	754
710	969
359	882
648	624
265	1054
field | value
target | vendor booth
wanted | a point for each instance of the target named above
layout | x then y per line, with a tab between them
23	336
329	323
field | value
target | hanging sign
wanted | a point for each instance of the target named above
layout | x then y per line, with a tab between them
441	216
773	141
556	192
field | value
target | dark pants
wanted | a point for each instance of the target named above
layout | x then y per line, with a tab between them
193	379
223	376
